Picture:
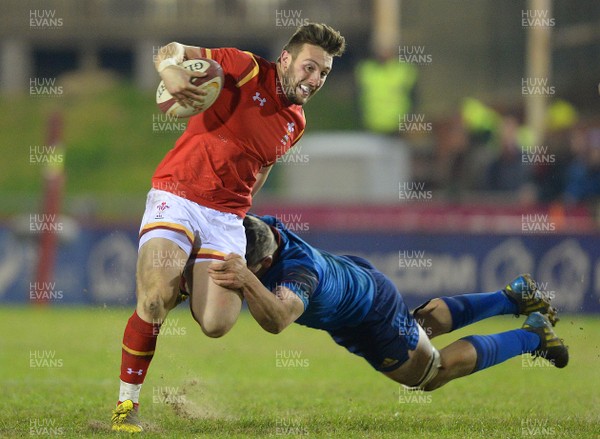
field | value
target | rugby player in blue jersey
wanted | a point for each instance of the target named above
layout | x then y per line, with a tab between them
285	280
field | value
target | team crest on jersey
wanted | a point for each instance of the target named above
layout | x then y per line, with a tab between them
161	209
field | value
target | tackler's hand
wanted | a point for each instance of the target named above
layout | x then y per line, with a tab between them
230	273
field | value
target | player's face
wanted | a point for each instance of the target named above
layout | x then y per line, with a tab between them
304	74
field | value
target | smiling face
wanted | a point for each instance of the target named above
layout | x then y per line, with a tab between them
304	74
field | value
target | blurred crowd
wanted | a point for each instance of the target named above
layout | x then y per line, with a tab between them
482	149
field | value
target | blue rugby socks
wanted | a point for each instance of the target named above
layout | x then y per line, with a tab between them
470	308
496	348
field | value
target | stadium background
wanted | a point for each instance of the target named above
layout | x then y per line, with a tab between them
77	98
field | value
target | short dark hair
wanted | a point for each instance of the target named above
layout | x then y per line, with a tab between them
260	241
317	34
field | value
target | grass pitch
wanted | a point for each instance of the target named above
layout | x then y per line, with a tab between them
60	370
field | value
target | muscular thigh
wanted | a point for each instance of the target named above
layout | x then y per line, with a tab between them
160	265
213	306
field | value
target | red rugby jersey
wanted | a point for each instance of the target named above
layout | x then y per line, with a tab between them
215	161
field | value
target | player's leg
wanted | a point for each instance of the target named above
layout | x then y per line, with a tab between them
398	336
215	308
159	269
160	266
162	257
434	315
521	296
427	369
474	353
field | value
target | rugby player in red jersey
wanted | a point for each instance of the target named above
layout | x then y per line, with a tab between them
203	188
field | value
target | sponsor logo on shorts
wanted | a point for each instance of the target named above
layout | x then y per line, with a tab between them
161	209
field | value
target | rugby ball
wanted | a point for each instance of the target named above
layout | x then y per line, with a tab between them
212	83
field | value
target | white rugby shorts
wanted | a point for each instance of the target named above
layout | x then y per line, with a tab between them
203	233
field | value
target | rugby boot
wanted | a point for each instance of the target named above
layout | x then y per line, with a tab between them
125	419
525	293
551	347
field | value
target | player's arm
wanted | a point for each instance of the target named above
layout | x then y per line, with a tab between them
273	312
261	177
176	78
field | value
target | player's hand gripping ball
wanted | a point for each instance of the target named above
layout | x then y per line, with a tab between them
212	84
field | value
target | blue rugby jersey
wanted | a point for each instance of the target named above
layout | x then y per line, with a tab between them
336	291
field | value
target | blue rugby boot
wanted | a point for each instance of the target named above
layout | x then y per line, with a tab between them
551	347
525	293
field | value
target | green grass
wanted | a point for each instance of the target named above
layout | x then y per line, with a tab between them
232	386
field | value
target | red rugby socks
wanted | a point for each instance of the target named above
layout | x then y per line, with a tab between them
139	342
